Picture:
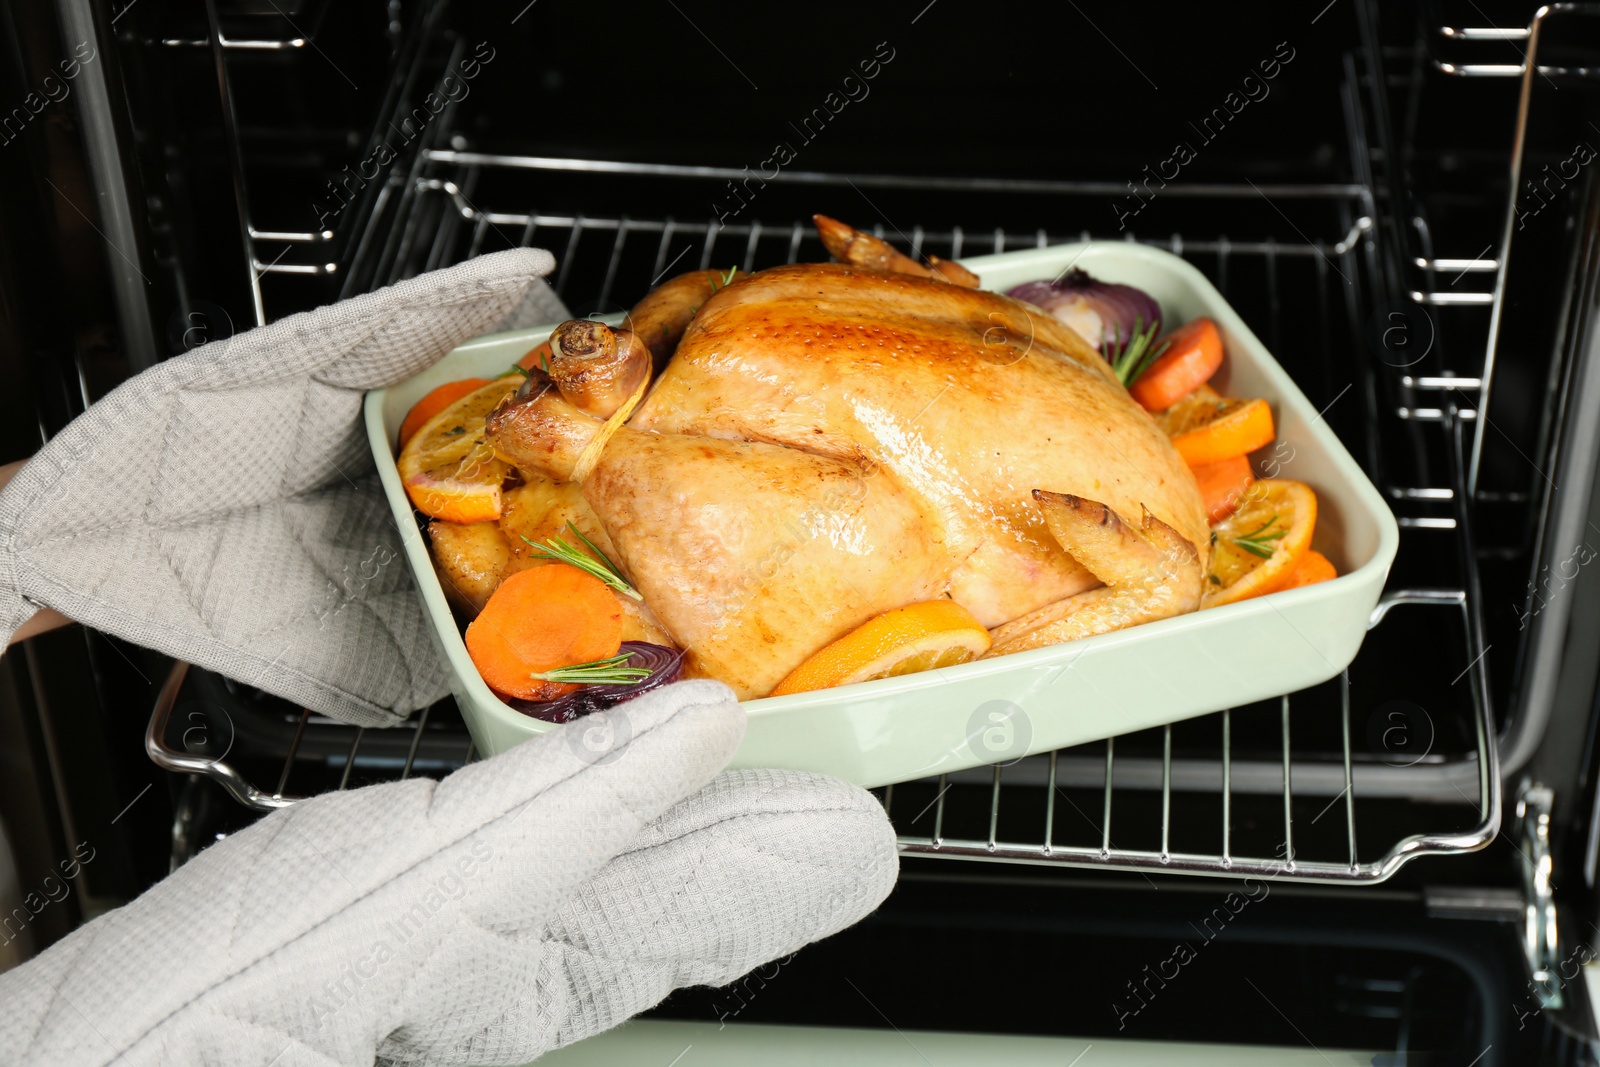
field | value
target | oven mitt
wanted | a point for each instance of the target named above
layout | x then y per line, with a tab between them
222	508
519	905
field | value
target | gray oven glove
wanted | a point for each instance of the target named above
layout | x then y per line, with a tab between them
222	508
517	906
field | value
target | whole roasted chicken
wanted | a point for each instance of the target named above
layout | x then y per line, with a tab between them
775	458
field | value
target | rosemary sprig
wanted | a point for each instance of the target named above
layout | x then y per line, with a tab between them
517	368
558	549
1135	355
720	281
1258	542
609	671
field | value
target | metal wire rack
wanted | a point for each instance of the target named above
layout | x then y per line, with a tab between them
449	204
1453	44
340	749
459	228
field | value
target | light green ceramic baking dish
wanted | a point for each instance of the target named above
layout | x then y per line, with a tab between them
1000	709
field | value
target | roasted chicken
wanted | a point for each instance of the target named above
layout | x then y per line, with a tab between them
826	442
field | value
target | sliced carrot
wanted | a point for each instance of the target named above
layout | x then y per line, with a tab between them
538	359
1223	484
1312	569
540	619
1194	352
1233	428
435	402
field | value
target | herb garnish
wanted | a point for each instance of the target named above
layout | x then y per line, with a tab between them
1258	542
517	368
609	671
723	280
1133	357
455	431
558	549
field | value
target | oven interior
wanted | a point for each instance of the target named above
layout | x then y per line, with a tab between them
1392	199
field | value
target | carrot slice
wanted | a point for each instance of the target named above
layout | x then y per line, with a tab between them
1223	484
539	619
435	402
1194	352
1314	568
1233	428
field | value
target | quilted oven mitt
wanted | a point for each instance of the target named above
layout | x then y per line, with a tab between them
519	905
221	507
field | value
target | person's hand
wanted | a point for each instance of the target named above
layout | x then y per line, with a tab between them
221	507
521	904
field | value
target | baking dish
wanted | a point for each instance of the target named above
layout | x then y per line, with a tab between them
1002	709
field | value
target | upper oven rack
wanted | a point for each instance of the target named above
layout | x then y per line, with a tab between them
445	222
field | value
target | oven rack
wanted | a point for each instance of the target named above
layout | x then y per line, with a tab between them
458	227
267	248
339	747
1453	42
448	203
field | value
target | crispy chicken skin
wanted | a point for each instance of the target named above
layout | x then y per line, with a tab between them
967	399
830	441
662	316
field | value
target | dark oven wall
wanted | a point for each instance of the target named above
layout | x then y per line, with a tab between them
1113	96
1316	162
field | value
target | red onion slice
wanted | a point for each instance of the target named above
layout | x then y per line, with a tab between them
664	664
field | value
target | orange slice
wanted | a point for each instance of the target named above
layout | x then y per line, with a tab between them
449	470
1256	550
1207	427
1313	569
920	637
1190	412
435	402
